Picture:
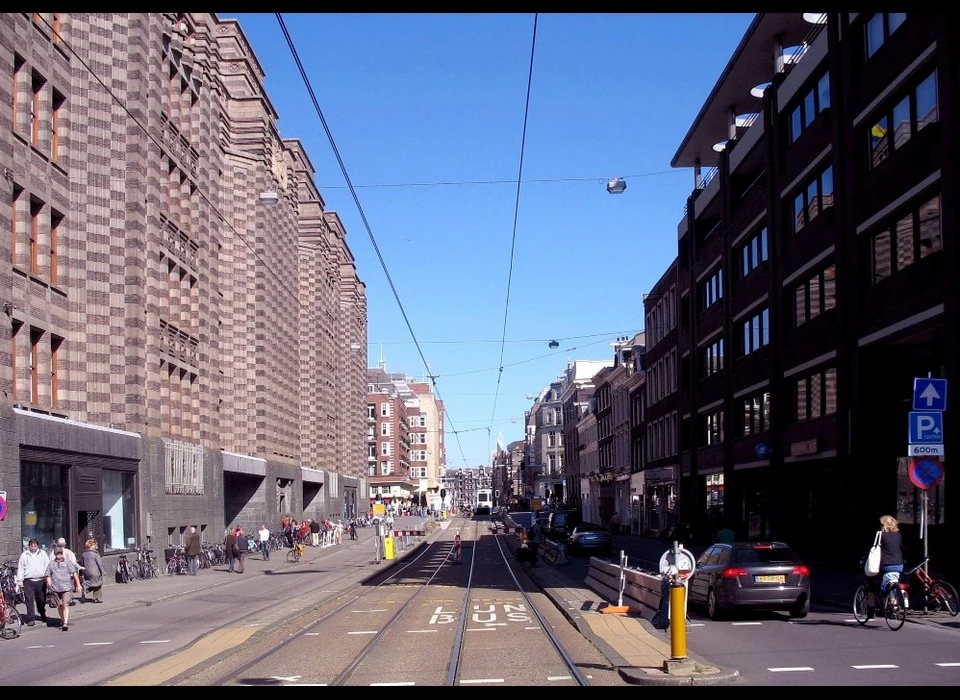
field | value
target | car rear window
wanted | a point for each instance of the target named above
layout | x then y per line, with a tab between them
767	555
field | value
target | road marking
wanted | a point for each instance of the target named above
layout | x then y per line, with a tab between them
366	611
785	669
869	667
949	663
420	631
42	646
396	683
481	629
311	634
746	624
559	678
155	641
480	680
97	644
532	628
364	632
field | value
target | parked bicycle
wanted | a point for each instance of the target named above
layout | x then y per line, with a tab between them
935	595
8	582
146	565
10	622
176	561
892	603
296	554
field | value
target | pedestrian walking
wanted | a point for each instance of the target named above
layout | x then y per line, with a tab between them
92	572
193	550
31	577
314	532
62	580
264	542
243	547
230	548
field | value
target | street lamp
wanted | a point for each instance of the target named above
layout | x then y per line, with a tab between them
616	185
553	345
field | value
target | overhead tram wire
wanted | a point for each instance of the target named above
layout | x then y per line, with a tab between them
363	217
516	213
540	180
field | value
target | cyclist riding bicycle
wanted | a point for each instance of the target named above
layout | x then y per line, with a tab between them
891	552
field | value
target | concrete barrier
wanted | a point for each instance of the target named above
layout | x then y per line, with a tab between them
641	589
553	553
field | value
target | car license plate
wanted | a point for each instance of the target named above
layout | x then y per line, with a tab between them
780	578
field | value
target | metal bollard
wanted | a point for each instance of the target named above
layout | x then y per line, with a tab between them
678	622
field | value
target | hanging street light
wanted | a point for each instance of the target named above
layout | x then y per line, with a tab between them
554	345
616	185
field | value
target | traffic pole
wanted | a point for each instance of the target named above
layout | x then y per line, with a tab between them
678	622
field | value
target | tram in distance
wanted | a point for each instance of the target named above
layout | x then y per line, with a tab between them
484	502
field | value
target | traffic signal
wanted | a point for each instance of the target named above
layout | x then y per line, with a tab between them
443	493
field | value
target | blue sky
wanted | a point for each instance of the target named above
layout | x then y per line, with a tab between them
488	273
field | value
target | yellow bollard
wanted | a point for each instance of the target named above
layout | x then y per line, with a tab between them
389	551
678	622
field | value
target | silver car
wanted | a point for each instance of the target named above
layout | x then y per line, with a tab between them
750	576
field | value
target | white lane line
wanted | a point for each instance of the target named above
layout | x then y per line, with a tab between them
480	680
364	632
155	641
869	667
41	646
396	683
697	624
420	631
373	610
97	644
786	669
746	624
949	663
535	627
559	678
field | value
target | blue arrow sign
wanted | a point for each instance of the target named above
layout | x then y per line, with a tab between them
929	394
926	428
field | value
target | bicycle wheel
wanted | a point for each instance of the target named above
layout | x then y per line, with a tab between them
894	610
861	610
10	622
946	596
293	556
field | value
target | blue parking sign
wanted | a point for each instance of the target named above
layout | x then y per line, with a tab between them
929	394
926	428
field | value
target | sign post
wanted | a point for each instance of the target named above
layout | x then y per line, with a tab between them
926	440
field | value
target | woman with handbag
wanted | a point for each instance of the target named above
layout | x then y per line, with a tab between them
891	551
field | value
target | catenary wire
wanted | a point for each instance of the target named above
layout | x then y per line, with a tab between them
516	211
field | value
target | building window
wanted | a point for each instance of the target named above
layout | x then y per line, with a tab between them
878	29
711	358
386	449
894	127
35	104
816	196
912	237
551	439
711	290
816	395
385	410
15	330
36	337
816	295
55	220
386	429
57	107
755	332
14	206
371	410
753	252
55	344
36	207
813	102
712	424
755	412
44	490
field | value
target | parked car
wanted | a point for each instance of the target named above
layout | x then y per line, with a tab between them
590	537
750	576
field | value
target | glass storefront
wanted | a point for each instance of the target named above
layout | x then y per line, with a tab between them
45	491
119	523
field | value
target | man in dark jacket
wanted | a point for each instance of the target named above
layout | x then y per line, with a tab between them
243	546
230	548
315	533
193	551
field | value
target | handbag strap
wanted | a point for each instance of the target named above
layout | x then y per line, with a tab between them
876	540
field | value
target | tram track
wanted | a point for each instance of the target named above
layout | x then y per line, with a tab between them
427	621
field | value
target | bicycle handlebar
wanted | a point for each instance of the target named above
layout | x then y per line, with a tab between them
917	567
